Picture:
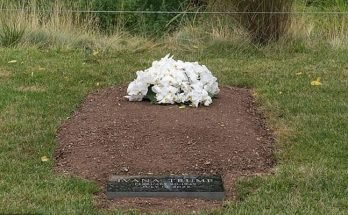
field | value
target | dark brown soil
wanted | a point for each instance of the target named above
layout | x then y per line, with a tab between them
108	135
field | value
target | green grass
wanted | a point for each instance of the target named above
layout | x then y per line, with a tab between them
311	123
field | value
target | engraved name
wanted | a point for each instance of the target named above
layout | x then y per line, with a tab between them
171	180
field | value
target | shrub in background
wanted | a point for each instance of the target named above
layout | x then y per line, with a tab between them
10	34
144	24
262	27
265	27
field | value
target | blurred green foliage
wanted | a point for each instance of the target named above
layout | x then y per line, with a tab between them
326	4
148	24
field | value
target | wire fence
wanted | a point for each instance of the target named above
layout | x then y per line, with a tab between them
183	12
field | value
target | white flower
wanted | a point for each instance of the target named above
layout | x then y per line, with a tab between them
144	77
137	90
175	82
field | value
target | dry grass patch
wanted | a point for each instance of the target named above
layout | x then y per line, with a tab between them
4	74
8	115
283	132
35	89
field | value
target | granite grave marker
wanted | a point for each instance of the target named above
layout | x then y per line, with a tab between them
200	187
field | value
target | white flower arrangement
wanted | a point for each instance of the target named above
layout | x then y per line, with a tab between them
169	81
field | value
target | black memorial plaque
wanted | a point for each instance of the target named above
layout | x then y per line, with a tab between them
201	187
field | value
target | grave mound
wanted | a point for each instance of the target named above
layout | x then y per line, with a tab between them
108	135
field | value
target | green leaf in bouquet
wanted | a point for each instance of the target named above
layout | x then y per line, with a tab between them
151	95
212	95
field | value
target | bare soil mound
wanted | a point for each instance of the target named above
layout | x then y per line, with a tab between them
108	136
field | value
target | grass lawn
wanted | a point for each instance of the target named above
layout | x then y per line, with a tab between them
42	88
